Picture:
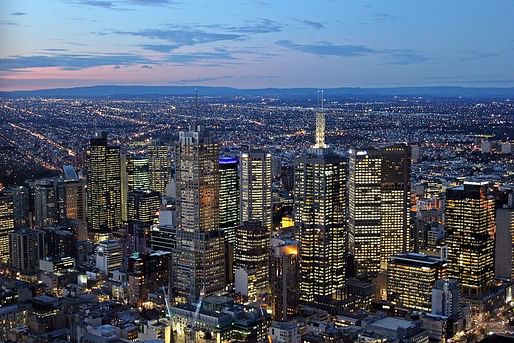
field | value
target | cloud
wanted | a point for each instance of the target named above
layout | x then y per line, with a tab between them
193	57
385	16
18	13
393	56
8	22
328	49
261	25
70	61
144	66
178	37
315	24
115	4
97	3
476	55
203	79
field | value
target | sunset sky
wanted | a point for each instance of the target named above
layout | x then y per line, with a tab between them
253	44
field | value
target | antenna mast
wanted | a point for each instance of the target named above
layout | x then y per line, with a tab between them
320	125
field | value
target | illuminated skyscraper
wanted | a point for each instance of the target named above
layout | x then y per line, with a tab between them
199	262
229	197
252	255
320	186
470	229
48	204
364	200
256	194
395	231
6	225
284	273
26	248
104	185
160	167
138	173
74	189
379	195
410	279
143	207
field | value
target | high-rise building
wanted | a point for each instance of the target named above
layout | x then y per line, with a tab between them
138	173
284	272
48	203
109	256
256	182
446	299
410	279
198	261
60	242
251	255
504	243
229	197
26	248
395	230
104	185
162	236
20	196
146	273
470	229
379	204
143	207
365	210
6	225
320	196
160	167
75	200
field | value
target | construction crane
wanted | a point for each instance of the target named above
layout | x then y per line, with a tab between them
196	314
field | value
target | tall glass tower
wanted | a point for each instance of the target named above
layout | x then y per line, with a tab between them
199	261
229	197
320	187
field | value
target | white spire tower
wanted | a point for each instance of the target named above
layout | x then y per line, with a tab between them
320	126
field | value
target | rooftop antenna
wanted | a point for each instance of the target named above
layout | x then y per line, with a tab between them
319	142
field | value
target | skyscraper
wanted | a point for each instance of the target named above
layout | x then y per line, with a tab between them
284	269
199	254
229	197
48	204
74	189
143	207
26	248
395	231
160	167
320	187
470	228
410	279
138	173
251	254
379	203
104	185
364	201
6	225
256	195
504	243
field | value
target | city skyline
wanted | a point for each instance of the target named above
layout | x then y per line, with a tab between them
255	44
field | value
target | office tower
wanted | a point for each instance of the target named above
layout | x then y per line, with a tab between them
75	200
395	234
104	185
470	225
379	204
365	210
138	173
284	272
229	197
446	299
251	255
48	203
320	186
109	255
162	236
26	248
199	262
410	279
6	225
20	196
504	243
60	242
160	167
143	207
256	195
146	273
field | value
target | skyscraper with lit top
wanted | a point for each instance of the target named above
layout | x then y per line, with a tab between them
229	197
319	189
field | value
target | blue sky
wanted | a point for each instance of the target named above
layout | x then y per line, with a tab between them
261	43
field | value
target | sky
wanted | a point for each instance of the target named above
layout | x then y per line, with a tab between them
256	43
